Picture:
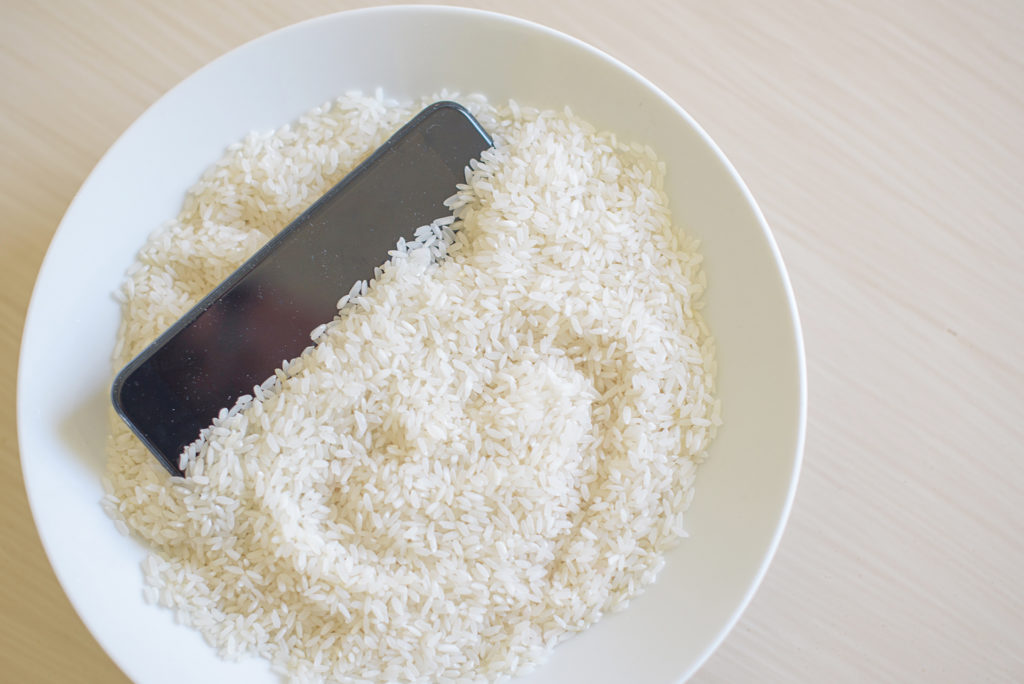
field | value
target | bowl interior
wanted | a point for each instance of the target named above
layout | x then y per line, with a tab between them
743	492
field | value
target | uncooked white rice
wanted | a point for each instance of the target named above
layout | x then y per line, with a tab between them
485	451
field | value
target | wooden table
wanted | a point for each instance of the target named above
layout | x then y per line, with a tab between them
884	142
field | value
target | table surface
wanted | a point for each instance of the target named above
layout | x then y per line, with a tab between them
884	143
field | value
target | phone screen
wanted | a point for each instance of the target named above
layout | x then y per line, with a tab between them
264	312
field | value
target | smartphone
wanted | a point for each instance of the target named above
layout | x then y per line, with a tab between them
264	312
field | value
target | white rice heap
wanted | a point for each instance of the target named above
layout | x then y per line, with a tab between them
484	452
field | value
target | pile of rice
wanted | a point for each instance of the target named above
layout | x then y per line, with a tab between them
491	445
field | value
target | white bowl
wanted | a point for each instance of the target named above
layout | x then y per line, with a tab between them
743	493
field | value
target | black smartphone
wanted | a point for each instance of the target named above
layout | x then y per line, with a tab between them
264	312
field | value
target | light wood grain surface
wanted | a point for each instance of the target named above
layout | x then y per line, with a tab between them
884	143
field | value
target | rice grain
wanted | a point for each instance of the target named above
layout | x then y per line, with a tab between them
489	447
